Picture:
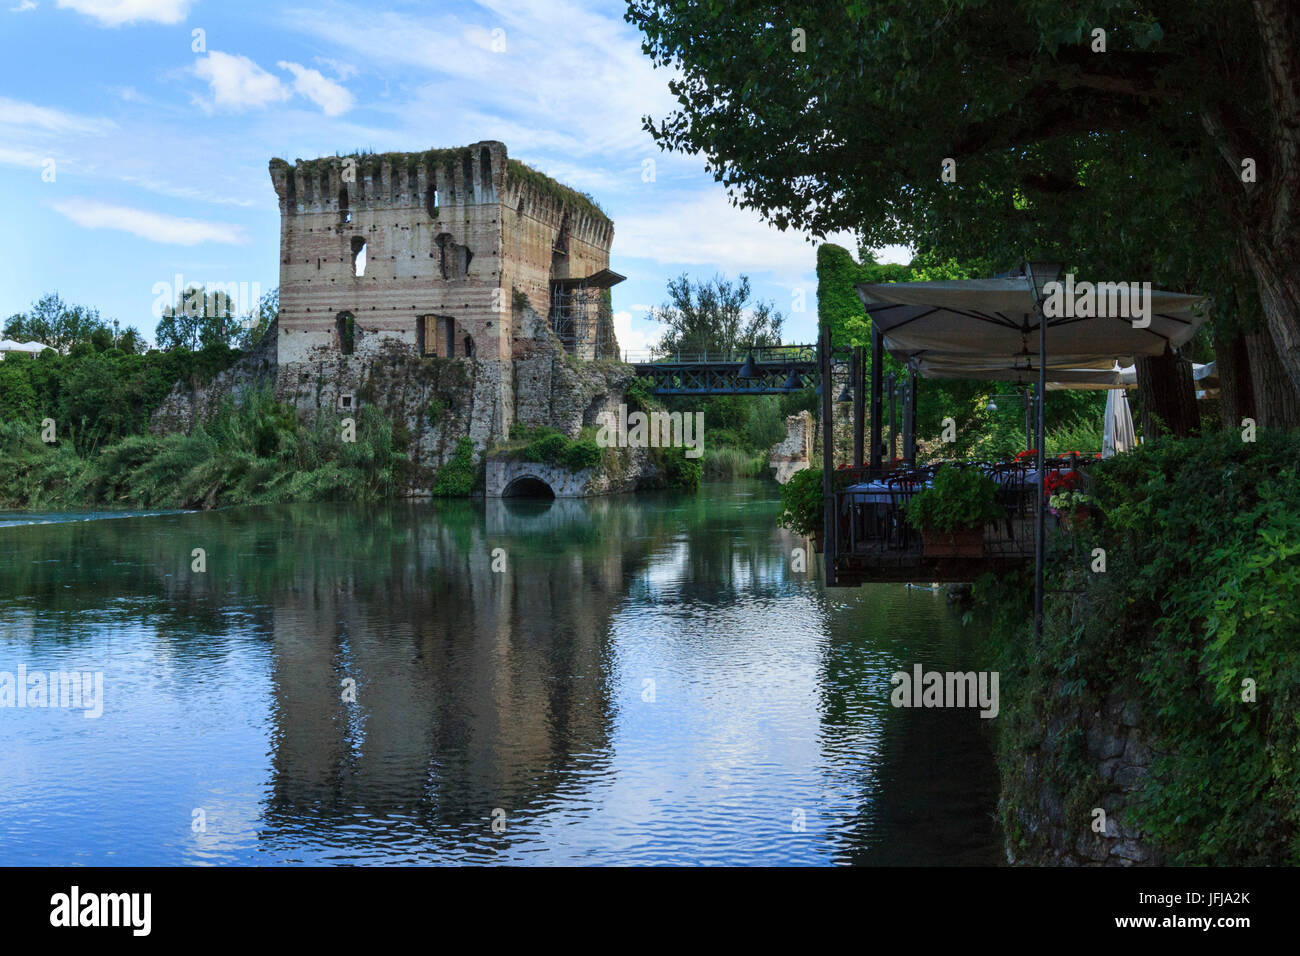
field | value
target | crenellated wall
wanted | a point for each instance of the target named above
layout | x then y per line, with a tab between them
447	235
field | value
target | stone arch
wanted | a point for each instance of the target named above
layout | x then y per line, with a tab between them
528	486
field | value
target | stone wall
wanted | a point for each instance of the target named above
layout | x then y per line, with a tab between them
435	400
1051	826
794	452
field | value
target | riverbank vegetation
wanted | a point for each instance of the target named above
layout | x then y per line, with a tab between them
1194	621
250	451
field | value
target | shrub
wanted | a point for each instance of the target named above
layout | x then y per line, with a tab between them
455	479
957	499
1201	593
802	504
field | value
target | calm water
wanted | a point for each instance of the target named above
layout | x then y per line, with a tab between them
647	681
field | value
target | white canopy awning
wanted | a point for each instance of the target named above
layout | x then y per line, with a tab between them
996	321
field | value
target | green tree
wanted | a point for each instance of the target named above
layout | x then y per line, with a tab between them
715	316
256	322
198	319
55	322
1170	156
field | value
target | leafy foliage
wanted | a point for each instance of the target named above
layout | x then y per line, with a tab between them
62	325
456	478
1113	164
100	396
250	451
802	504
956	500
1201	593
715	316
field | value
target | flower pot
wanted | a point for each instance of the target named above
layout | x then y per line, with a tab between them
1073	519
965	543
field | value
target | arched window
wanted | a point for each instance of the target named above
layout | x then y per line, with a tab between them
431	200
485	168
467	169
345	214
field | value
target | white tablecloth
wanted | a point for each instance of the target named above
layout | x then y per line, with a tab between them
878	492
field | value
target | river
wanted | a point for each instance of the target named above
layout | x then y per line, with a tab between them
624	680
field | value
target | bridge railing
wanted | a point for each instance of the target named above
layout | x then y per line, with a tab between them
762	355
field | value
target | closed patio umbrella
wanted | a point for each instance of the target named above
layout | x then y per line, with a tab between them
1118	435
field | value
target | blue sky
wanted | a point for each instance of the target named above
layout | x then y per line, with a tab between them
129	157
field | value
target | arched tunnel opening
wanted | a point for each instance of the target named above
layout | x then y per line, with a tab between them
528	487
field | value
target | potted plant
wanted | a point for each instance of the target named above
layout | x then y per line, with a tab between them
1070	507
952	511
802	506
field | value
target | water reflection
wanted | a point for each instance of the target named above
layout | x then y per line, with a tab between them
627	680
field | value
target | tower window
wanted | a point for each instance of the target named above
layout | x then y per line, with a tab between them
346	327
358	256
345	214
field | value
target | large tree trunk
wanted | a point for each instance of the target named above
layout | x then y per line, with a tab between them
1167	396
1272	240
1236	390
1277	404
1277	277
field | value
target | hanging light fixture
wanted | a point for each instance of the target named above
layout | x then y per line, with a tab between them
846	395
749	369
793	381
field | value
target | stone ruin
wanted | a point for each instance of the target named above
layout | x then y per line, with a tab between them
457	289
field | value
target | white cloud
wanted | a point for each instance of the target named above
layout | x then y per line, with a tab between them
572	82
21	157
638	337
23	7
331	97
237	82
31	116
114	13
157	227
704	229
342	71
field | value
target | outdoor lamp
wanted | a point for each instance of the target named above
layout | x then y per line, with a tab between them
748	370
792	382
846	395
1042	273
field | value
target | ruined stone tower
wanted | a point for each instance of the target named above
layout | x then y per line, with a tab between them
430	250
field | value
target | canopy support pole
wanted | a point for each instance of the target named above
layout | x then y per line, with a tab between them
1040	547
824	366
877	385
859	404
893	417
913	381
1029	416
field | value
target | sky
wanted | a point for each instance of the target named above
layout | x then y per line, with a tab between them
135	136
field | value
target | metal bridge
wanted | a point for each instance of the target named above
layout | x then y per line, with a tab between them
762	370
